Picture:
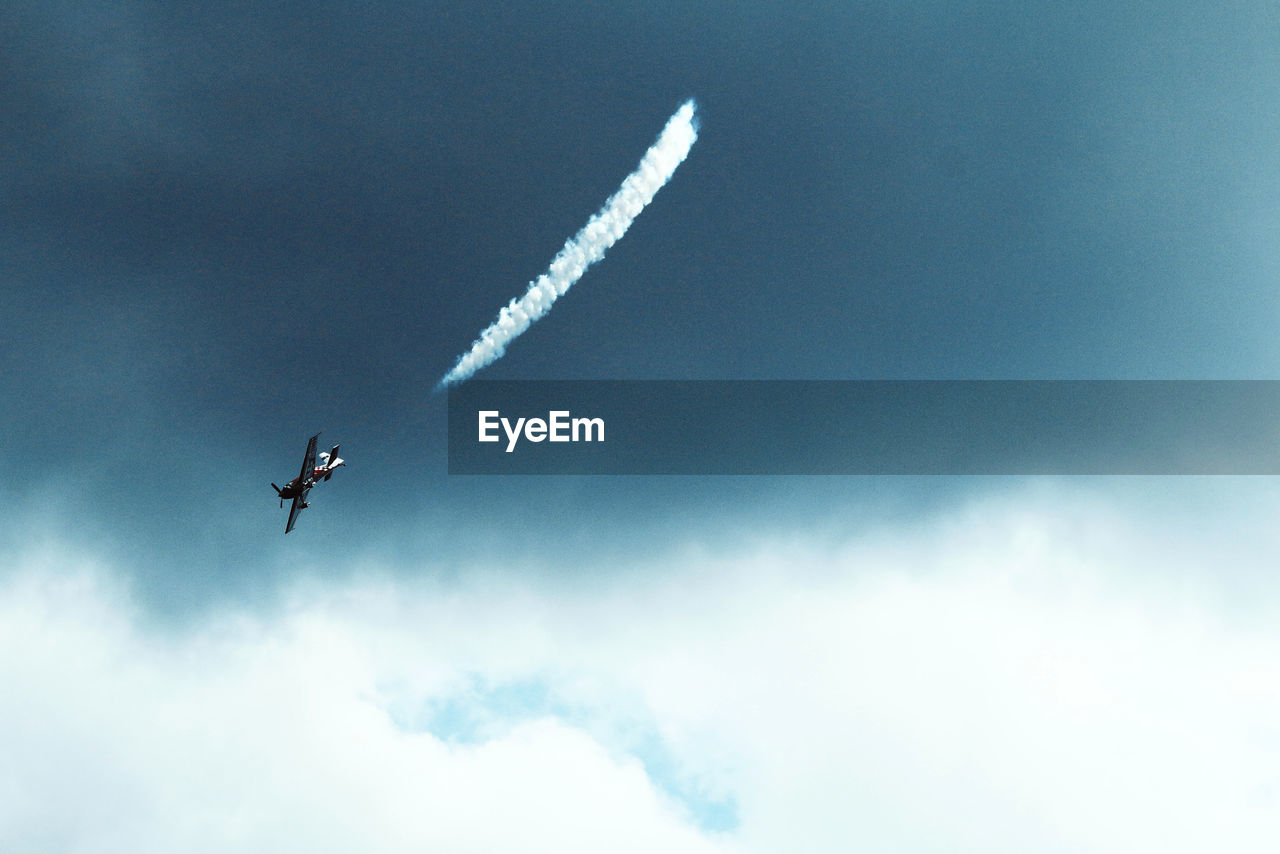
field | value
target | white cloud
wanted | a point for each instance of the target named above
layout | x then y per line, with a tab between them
254	735
1044	672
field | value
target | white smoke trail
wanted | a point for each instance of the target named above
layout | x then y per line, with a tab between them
586	247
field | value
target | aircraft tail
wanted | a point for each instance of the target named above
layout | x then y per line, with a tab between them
332	461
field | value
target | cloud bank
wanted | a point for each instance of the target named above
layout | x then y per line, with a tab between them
1014	677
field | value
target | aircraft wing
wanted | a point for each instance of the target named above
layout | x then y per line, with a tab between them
294	509
309	462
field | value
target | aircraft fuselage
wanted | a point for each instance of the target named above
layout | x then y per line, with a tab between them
295	486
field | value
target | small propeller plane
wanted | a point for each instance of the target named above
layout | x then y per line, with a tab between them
311	474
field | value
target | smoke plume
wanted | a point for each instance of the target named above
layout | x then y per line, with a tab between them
586	247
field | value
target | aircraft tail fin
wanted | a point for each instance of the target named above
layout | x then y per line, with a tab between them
332	461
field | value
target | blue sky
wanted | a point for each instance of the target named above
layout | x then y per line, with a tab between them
225	229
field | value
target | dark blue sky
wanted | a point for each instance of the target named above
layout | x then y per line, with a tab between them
226	228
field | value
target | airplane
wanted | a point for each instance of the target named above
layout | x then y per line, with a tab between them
310	475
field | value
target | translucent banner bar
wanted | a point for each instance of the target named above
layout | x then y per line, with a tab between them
865	427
